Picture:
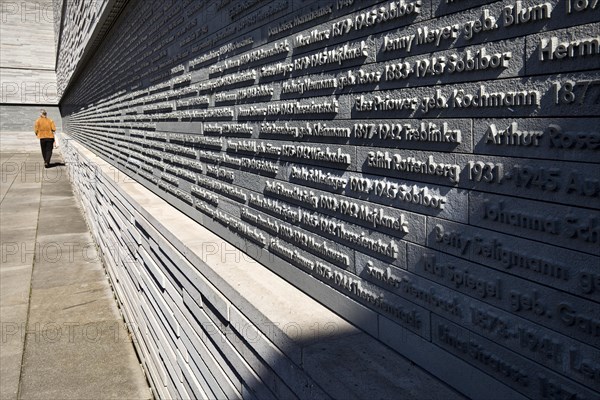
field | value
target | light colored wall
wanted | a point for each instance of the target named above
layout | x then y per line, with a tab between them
27	63
27	34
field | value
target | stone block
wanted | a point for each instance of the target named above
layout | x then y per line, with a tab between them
202	334
562	182
524	376
548	265
443	365
548	138
572	228
563	50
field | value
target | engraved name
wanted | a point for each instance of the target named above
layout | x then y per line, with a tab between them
395	162
551	49
570	226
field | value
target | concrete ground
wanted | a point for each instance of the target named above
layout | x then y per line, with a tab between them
62	334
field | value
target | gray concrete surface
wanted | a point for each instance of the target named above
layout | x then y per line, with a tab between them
27	54
16	123
62	334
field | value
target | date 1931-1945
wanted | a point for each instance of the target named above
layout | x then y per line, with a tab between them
535	177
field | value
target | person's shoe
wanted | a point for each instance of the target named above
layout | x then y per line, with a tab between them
47	165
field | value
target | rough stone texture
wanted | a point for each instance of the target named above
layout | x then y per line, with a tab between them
426	170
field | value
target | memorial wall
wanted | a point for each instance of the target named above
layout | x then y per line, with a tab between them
78	26
435	163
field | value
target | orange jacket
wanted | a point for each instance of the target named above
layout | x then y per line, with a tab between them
44	128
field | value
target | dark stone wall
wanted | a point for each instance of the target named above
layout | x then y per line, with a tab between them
436	163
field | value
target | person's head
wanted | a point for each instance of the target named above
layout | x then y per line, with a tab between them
44	113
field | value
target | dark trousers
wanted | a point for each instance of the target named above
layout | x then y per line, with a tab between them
47	146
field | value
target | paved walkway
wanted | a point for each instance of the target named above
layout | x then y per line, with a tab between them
62	335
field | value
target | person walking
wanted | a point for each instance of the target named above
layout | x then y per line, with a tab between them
44	130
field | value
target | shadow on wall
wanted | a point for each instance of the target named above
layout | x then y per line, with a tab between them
252	335
209	321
